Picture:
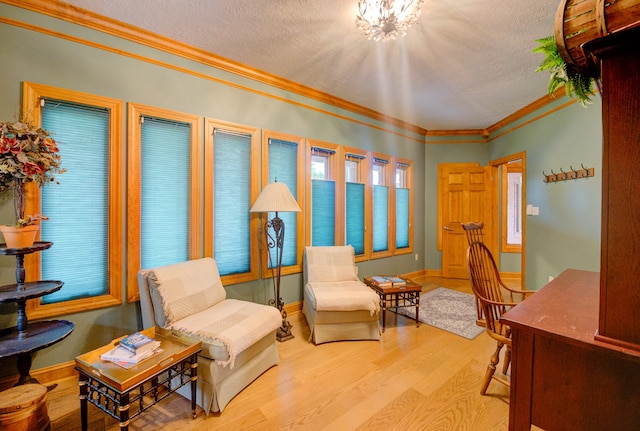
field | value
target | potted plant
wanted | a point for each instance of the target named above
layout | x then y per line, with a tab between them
577	84
27	155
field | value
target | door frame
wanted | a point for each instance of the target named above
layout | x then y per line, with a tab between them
522	156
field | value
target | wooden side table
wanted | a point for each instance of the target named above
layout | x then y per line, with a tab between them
111	388
394	297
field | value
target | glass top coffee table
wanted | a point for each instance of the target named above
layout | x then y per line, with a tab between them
125	393
394	296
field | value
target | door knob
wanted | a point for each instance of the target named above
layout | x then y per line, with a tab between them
447	228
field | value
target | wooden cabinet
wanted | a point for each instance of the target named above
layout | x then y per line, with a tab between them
619	57
576	343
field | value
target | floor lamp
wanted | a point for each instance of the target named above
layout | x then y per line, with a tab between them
276	197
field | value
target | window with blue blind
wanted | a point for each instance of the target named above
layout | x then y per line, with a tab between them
164	192
354	216
232	202
323	212
402	218
283	167
79	232
380	218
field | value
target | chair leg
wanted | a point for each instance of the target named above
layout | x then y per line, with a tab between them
491	368
507	361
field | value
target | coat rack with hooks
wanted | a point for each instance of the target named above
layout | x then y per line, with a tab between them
572	174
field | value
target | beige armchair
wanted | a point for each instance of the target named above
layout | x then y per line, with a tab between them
337	305
238	337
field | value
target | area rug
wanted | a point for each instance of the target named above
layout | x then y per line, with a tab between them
449	310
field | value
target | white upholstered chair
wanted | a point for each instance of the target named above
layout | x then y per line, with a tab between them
238	337
337	305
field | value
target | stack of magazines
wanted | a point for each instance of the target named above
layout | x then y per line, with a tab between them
131	350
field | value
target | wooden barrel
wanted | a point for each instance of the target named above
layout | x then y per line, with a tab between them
24	408
580	21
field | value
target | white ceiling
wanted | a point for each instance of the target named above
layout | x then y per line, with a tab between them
467	64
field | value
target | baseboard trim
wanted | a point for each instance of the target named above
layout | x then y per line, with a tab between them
43	375
294	307
415	274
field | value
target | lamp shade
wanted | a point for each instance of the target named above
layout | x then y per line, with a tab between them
275	197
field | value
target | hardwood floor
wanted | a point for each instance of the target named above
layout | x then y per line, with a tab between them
413	379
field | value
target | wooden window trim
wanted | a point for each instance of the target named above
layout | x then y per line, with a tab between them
410	185
504	203
365	178
266	135
32	93
336	173
389	181
209	207
134	137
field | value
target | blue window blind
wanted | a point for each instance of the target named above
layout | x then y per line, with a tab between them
232	202
164	192
402	218
283	167
354	216
380	218
79	232
323	212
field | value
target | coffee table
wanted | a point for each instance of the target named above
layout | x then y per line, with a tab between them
394	297
111	387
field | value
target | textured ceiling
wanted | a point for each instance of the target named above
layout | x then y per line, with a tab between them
467	64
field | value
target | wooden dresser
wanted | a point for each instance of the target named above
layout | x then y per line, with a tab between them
576	342
562	377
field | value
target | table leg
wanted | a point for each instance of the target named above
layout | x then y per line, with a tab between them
417	299
194	380
123	410
384	311
83	382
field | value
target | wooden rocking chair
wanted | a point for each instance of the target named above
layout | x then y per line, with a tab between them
495	299
474	233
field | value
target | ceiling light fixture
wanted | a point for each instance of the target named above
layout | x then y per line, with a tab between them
387	19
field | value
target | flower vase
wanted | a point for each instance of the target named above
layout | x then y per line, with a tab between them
19	237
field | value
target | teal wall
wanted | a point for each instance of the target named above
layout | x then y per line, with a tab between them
135	73
566	234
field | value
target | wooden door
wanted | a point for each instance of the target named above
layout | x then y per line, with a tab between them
466	196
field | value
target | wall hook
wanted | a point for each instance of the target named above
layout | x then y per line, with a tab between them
561	176
572	174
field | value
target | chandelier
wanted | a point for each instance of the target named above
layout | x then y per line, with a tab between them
387	19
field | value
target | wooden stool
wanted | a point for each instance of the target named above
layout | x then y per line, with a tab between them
24	408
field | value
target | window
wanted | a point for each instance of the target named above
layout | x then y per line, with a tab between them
404	206
324	204
163	189
382	204
283	155
231	186
357	203
86	253
511	207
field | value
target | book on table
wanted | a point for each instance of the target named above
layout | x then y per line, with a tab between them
137	343
126	359
388	280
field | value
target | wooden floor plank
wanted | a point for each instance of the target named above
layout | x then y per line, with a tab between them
413	379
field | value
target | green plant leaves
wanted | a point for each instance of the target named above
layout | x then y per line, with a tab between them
576	84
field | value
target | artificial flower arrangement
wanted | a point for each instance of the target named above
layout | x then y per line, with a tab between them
28	154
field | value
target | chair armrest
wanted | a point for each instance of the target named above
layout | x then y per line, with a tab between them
523	292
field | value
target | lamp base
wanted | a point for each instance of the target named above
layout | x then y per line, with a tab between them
284	332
